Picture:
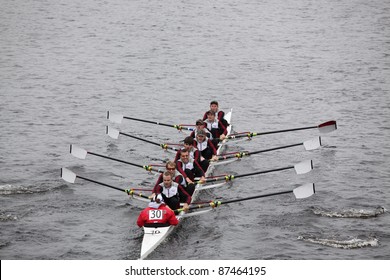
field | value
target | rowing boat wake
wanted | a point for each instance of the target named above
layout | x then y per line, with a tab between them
349	213
10	189
349	243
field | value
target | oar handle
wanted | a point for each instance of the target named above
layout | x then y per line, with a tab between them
132	193
235	155
193	207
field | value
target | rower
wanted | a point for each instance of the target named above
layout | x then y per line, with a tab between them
201	125
189	169
220	115
216	127
206	148
170	167
157	213
172	193
189	146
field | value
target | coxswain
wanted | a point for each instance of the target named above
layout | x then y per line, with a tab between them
157	213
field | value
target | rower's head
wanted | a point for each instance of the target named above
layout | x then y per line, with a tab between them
188	142
210	115
200	124
167	179
200	135
214	106
171	167
185	156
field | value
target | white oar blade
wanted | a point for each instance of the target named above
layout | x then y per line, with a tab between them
304	167
312	144
112	132
78	152
327	127
68	175
115	118
304	191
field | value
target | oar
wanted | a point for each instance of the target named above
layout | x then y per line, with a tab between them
300	168
70	177
114	133
311	144
81	154
116	118
303	191
325	127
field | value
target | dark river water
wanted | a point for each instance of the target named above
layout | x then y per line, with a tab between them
278	64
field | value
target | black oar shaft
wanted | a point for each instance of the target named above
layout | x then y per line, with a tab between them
245	153
231	177
274	149
254	197
251	134
324	127
164	146
139	138
100	183
115	159
262	172
217	203
146	121
286	130
129	192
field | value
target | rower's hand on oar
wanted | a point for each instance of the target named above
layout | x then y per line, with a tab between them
222	137
186	207
202	180
189	181
214	158
152	196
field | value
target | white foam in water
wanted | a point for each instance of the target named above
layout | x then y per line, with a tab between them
350	213
343	244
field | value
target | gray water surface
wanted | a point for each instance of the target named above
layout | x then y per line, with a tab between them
278	64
